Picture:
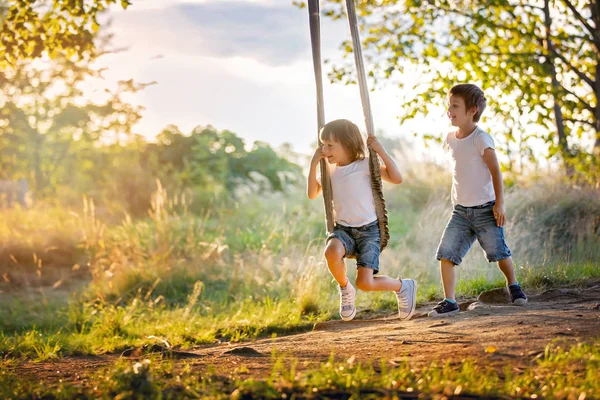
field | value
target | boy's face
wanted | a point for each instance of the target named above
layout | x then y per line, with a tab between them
335	153
458	113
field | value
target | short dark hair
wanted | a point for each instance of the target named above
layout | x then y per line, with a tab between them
347	134
472	95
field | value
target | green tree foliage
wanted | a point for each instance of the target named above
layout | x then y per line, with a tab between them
538	61
31	28
217	161
66	146
48	130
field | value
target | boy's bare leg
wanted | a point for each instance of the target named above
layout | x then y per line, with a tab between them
334	253
448	278
366	281
508	269
517	296
407	297
448	306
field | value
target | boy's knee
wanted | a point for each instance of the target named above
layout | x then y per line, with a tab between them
334	250
364	284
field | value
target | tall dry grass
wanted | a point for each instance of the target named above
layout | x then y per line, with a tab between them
255	266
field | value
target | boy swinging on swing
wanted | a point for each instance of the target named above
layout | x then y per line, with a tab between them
356	232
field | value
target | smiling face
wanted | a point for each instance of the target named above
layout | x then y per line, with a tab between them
336	153
342	142
458	113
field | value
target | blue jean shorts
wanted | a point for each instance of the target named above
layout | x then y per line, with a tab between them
362	243
468	224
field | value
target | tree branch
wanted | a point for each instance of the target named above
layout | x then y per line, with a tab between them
580	74
593	32
490	24
585	104
499	53
574	120
532	7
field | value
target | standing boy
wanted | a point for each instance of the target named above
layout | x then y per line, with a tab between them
477	196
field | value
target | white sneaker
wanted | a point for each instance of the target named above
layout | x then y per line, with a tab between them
347	308
407	298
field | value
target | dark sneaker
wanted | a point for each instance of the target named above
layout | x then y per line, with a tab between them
443	308
517	296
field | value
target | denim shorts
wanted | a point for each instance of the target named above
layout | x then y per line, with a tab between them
362	243
468	224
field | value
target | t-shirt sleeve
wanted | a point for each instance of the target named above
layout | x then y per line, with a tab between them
484	141
446	143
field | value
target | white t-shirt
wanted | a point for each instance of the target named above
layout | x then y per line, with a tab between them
353	203
471	179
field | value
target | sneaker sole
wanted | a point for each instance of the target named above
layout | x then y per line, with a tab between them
435	314
349	318
414	303
520	302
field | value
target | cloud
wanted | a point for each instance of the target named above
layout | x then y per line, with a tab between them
272	3
269	34
235	64
261	30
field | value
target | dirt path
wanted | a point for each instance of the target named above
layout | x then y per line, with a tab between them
519	334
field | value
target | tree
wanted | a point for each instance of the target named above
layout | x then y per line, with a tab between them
48	132
538	60
216	161
31	28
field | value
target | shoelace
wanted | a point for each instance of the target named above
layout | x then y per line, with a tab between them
402	300
517	292
441	305
346	297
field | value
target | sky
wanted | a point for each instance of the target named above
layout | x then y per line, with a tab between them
241	65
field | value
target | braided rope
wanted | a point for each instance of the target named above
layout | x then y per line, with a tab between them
374	167
315	36
376	184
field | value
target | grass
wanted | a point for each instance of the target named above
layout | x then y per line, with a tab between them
252	269
96	328
153	378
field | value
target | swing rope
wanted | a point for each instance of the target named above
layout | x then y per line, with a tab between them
374	168
315	37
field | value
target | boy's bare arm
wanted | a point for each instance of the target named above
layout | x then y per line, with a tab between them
313	187
389	169
489	156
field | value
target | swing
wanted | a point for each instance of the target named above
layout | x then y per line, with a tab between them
376	185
